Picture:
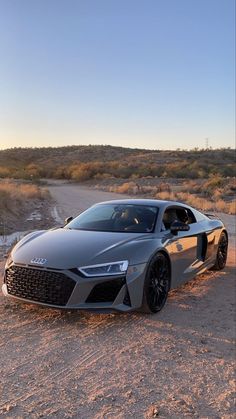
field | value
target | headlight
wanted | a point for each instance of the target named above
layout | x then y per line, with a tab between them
105	269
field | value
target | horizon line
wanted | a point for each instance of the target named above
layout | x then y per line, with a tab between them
120	147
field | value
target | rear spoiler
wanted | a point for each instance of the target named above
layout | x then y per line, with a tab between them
211	216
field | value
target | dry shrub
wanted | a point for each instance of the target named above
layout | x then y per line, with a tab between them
149	190
217	194
11	192
232	207
127	187
230	187
214	181
169	196
120	162
31	192
3	198
4	172
221	206
134	176
80	174
187	198
191	185
195	201
163	187
103	176
199	202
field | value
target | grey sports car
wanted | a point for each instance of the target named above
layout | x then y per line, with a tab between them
119	255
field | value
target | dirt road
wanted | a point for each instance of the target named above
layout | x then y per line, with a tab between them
80	365
71	199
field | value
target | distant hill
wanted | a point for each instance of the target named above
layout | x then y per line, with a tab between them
89	162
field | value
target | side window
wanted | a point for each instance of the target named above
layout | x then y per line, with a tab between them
185	215
191	217
168	218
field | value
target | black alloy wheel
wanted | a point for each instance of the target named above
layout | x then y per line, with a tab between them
157	284
222	251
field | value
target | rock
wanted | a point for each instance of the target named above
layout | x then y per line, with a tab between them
152	412
155	412
8	407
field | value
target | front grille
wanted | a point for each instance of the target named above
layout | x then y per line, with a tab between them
106	291
39	285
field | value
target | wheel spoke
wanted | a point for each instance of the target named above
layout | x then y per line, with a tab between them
158	284
156	298
222	251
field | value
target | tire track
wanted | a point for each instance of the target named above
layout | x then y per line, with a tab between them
34	388
85	362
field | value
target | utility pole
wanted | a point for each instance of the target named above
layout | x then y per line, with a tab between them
207	143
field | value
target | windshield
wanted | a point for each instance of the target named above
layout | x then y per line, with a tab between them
117	218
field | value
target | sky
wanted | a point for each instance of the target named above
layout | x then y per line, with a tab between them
156	74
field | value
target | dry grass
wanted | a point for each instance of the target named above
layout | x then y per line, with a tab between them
199	202
127	187
80	163
232	207
14	194
198	198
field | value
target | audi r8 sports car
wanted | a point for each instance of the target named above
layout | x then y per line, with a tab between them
119	255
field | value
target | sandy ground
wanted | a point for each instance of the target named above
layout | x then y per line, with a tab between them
175	364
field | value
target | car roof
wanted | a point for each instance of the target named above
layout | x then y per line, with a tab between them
149	202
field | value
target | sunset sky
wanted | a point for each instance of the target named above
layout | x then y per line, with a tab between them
138	73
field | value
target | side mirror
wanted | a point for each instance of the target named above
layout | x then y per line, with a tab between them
177	226
68	220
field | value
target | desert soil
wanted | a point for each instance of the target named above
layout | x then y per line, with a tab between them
175	364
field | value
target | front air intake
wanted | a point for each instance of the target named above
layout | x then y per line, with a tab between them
106	292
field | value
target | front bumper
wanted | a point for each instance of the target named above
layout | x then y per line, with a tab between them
68	289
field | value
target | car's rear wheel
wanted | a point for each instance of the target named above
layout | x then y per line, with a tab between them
156	284
222	251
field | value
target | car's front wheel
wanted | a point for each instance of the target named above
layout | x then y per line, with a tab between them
156	284
222	251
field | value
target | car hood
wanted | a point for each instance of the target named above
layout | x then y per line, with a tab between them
65	249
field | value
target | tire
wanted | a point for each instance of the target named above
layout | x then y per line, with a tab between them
156	284
222	250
